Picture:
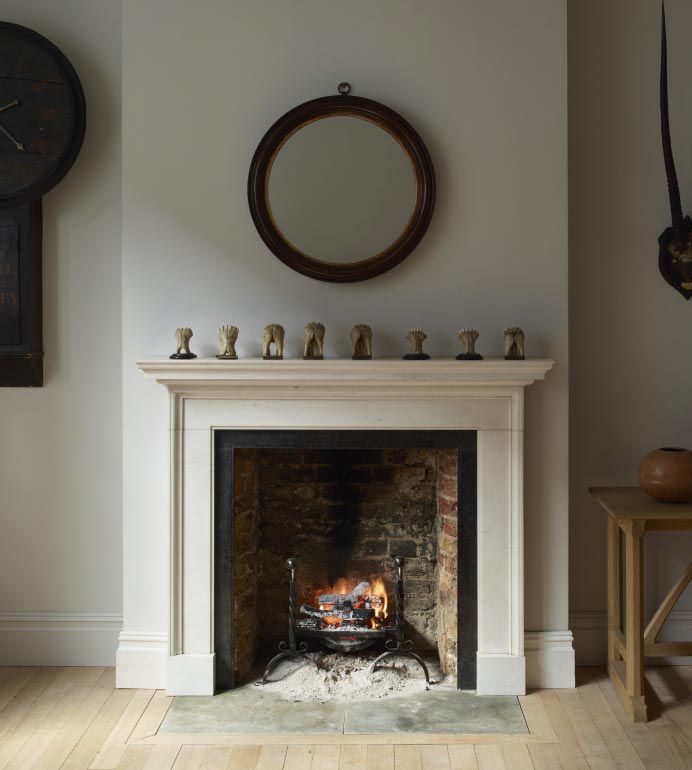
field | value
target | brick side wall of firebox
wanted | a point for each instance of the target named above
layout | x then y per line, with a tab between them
245	561
447	507
344	513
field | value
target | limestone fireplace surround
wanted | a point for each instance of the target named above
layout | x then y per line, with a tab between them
484	396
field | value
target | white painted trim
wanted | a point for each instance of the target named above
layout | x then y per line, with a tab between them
141	660
590	636
549	659
58	638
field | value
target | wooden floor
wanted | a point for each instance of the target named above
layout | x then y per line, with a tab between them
74	718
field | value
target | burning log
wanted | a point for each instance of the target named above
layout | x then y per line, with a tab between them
361	590
345	613
361	610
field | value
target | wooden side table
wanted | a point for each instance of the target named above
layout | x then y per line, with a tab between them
632	512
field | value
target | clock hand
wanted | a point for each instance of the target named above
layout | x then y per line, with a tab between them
13	103
17	144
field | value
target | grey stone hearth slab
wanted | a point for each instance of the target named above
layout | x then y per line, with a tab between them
437	711
249	711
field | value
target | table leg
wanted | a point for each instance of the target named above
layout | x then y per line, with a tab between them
613	589
634	621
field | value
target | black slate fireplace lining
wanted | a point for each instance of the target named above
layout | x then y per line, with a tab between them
464	441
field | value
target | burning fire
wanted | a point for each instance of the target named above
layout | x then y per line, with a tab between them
380	591
350	604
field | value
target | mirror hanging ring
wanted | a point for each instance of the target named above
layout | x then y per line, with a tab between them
399	130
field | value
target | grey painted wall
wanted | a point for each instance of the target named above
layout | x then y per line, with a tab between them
60	451
631	372
484	84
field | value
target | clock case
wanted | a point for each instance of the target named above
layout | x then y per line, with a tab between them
21	233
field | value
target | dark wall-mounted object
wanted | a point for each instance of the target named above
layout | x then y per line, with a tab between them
675	242
21	352
347	267
42	125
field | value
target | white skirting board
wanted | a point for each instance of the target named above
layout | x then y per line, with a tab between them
58	639
549	659
143	661
591	628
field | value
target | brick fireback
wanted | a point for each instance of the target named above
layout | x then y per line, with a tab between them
344	513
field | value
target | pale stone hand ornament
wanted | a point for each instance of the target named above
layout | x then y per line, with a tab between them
273	335
228	336
468	338
182	343
313	340
514	344
361	342
415	338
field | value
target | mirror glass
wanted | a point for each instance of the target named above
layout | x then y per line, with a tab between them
341	189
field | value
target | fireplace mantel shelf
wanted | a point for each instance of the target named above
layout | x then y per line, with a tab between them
200	372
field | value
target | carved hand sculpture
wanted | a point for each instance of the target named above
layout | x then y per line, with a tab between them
468	338
415	339
313	340
182	343
514	344
228	336
273	334
361	341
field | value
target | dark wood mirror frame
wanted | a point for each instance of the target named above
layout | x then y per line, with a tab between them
332	106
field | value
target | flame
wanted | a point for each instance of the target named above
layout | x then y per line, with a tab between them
376	599
377	589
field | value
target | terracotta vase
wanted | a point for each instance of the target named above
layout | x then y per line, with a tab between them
666	474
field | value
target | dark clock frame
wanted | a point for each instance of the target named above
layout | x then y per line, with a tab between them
21	360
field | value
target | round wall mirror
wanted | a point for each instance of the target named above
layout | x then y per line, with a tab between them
341	188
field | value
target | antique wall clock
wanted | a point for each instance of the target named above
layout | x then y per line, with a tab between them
42	123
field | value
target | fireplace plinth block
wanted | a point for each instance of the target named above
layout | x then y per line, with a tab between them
500	674
191	674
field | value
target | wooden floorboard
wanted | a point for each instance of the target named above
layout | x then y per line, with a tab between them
74	719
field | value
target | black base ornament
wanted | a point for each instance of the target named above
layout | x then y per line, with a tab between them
469	357
416	357
183	356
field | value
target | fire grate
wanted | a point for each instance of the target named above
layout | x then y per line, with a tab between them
346	623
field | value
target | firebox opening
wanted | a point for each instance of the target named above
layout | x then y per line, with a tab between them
344	514
344	503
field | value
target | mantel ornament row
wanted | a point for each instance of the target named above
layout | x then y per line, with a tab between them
361	343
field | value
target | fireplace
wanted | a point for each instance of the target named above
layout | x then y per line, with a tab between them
210	399
345	504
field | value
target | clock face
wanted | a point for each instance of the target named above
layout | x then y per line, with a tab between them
42	115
